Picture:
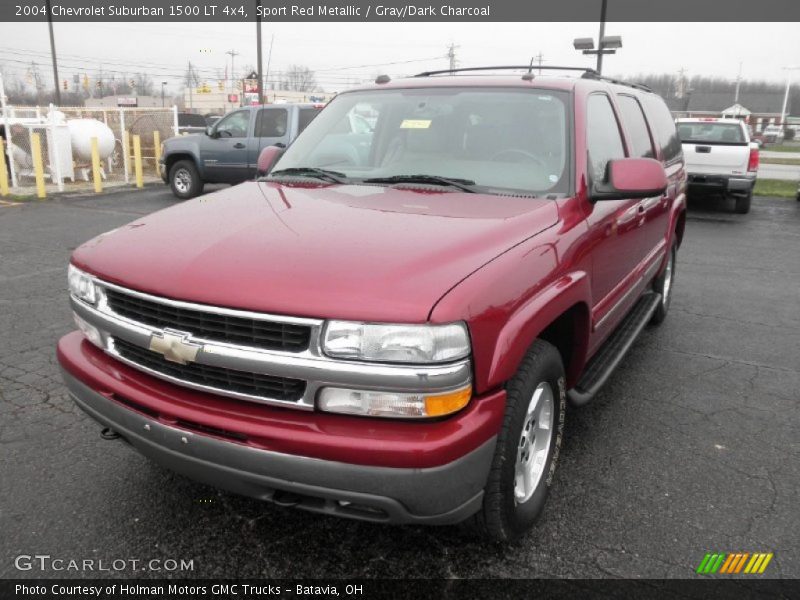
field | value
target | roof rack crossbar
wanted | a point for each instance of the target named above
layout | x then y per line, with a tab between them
588	73
505	68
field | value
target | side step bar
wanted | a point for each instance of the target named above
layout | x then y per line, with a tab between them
613	350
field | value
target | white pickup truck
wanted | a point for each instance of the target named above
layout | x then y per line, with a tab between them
720	158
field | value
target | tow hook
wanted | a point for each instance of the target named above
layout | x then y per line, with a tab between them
109	434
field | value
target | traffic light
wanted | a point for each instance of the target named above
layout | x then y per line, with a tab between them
98	84
66	85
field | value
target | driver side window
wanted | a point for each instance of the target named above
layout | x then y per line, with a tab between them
234	125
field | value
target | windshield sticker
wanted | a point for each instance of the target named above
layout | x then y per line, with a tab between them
415	124
553	178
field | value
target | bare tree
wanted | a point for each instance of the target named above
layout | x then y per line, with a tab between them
299	78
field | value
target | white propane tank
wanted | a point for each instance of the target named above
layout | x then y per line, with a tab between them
81	133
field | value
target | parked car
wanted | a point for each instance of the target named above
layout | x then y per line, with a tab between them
389	325
189	123
772	134
720	159
227	151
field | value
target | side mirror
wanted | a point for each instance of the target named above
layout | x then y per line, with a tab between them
210	131
267	158
631	178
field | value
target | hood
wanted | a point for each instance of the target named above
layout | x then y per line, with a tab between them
345	251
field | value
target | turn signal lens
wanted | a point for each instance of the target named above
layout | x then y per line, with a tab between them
392	404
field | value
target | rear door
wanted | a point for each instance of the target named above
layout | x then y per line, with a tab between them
653	213
272	127
225	153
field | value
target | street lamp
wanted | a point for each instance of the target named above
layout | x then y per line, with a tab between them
163	84
607	44
786	94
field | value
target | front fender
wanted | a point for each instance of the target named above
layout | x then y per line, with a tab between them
180	147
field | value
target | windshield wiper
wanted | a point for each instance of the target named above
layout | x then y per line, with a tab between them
334	176
465	185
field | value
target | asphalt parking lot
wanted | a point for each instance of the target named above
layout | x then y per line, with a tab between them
692	447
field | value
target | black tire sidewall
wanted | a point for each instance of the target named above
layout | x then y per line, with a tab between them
658	286
196	185
520	517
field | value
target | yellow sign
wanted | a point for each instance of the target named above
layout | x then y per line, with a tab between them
415	124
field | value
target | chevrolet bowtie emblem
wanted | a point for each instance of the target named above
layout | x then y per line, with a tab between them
175	346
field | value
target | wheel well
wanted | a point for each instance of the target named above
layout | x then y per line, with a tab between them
569	334
173	158
680	226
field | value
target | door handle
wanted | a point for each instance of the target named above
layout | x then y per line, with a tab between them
239	145
640	209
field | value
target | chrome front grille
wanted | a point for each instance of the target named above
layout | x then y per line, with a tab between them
253	356
271	335
222	380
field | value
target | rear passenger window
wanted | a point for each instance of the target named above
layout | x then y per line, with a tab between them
602	136
272	122
306	116
663	127
636	126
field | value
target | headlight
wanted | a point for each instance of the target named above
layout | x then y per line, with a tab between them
392	404
81	285
396	343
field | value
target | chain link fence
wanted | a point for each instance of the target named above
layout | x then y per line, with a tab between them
51	148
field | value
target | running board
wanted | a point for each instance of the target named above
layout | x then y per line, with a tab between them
613	350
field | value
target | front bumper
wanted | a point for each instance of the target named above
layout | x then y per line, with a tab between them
193	435
741	184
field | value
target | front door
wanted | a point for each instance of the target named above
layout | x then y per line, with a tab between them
614	225
225	153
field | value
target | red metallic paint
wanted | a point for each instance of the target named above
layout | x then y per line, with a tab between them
636	175
355	440
343	252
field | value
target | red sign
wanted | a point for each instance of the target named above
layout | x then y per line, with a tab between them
233	97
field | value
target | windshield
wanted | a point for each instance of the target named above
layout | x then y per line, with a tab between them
711	133
502	140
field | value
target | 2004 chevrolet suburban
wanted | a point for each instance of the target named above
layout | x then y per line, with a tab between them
389	324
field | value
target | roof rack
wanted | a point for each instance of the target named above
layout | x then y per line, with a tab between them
588	73
504	68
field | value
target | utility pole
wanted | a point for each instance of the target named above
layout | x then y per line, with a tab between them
451	54
269	58
259	87
53	52
190	83
738	81
539	59
786	94
233	54
602	34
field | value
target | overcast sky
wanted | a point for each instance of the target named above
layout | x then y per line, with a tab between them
336	51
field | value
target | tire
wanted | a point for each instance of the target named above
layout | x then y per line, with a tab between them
743	203
184	180
664	284
508	509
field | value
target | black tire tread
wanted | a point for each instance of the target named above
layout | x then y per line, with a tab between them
488	522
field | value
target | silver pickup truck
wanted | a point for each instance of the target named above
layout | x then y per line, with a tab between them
720	158
228	151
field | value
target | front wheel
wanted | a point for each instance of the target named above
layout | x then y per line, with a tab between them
185	180
527	447
663	285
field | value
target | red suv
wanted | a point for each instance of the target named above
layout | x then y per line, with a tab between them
390	324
